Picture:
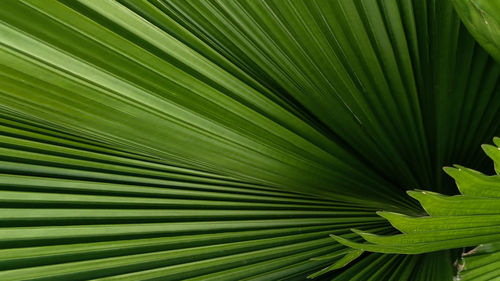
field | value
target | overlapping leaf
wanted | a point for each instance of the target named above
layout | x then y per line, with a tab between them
469	219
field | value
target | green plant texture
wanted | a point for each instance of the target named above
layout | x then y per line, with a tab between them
245	139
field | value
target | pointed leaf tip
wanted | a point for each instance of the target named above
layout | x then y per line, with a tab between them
496	141
415	193
448	169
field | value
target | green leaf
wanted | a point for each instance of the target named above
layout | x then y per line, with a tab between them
452	222
482	19
346	259
224	140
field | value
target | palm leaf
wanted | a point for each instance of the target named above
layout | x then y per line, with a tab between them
225	140
74	210
480	263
